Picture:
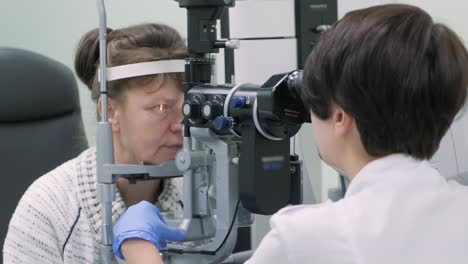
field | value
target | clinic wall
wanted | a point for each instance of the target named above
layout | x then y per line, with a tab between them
53	28
450	12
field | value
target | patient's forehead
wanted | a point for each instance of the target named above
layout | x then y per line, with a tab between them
163	89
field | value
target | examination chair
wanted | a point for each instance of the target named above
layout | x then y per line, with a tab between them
40	123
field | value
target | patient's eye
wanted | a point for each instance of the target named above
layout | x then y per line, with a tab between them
161	108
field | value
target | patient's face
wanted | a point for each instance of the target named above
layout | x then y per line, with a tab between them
150	122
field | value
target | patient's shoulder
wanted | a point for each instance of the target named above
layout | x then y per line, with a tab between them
54	189
57	189
48	209
64	177
59	177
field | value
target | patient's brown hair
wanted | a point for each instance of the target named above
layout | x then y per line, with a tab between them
140	43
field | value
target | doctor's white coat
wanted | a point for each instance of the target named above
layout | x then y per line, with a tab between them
397	210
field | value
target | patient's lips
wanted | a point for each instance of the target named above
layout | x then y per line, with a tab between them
173	148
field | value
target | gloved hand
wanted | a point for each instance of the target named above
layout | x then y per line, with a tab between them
144	221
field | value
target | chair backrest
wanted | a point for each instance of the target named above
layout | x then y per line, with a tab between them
40	123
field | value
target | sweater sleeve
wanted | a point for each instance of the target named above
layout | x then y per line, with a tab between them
39	227
170	199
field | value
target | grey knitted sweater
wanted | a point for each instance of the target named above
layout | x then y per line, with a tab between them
58	218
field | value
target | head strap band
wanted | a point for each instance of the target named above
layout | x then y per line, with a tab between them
144	68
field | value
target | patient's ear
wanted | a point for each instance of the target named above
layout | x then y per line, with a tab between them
112	113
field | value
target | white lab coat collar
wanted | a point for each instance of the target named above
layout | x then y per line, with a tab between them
384	170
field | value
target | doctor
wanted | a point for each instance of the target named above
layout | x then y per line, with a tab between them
383	86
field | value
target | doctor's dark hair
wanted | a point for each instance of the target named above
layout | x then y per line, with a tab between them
140	43
400	75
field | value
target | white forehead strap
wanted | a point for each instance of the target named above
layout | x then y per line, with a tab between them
144	68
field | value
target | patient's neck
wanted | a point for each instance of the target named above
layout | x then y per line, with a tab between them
135	192
139	191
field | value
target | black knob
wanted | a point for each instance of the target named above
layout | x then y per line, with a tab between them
191	110
212	109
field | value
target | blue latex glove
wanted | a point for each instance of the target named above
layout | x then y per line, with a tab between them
144	221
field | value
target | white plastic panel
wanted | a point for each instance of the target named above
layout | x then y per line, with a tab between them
257	60
344	6
444	159
460	138
262	19
451	160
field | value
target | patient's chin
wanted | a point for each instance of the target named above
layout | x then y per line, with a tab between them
168	153
163	156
